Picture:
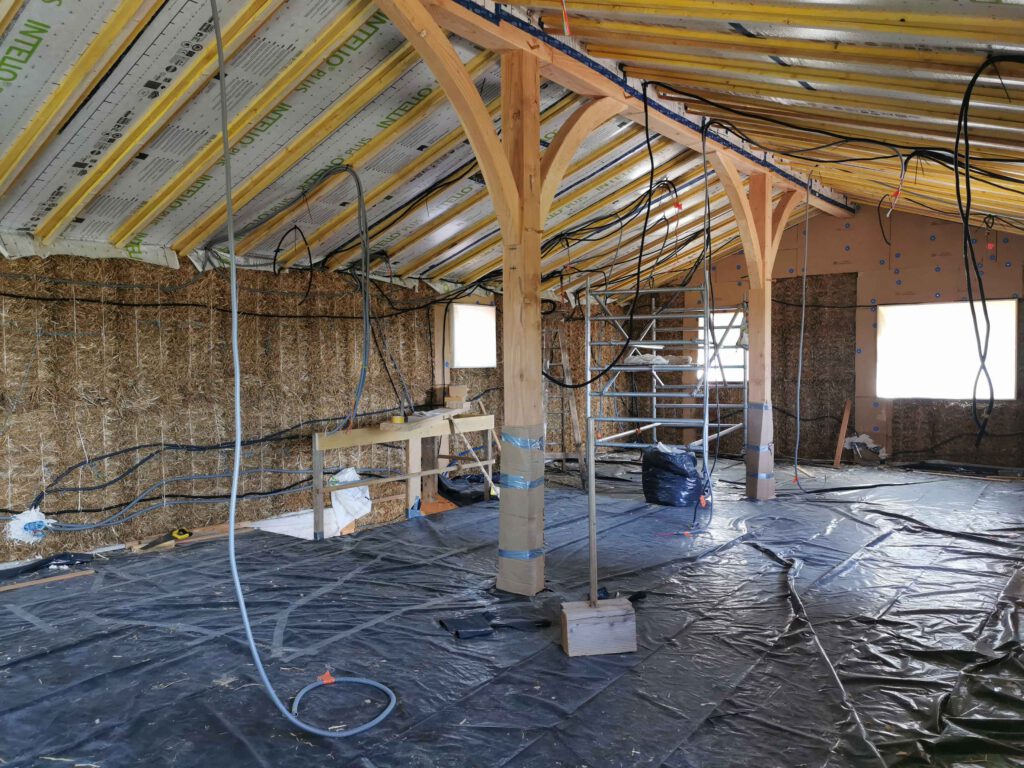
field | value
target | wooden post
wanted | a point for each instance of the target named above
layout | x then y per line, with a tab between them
761	226
521	189
521	521
413	466
318	492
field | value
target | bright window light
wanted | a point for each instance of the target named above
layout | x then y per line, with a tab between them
727	327
929	351
474	337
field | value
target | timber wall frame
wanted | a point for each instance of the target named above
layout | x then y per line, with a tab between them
522	187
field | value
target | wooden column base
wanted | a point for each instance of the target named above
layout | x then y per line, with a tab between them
760	452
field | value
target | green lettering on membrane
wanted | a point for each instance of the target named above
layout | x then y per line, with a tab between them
21	50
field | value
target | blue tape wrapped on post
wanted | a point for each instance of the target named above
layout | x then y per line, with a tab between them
520	554
518	481
523	442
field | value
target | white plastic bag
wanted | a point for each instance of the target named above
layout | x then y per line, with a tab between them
29	527
349	504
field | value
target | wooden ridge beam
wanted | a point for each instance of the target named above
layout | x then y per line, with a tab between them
147	125
573	74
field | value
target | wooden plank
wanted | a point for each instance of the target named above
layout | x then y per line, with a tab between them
843	426
374	435
46	580
318	491
413	466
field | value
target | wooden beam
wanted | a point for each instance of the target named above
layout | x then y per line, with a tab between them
730	179
567	142
561	68
843	425
384	75
420	29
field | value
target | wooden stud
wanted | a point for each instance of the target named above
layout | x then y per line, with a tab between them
46	580
844	424
413	466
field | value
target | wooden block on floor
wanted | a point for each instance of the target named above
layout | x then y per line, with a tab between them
454	402
608	627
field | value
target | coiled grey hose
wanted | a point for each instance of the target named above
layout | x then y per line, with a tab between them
290	716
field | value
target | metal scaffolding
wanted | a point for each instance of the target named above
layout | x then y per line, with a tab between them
657	384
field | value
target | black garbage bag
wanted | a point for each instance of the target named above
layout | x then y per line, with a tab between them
671	478
464	489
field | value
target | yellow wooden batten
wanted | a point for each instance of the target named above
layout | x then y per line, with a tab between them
582	259
811	15
378	193
576	194
360	157
236	33
369	87
117	33
988	117
341	28
8	10
602	34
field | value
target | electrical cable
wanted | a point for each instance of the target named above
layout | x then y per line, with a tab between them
971	264
639	262
290	716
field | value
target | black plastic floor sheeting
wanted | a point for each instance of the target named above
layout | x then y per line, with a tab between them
865	627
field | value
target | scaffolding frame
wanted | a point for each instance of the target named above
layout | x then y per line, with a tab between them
655	331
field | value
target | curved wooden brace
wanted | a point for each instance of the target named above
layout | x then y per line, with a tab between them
733	185
780	216
567	141
431	42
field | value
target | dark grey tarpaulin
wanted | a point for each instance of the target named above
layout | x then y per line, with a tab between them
863	627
